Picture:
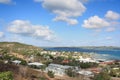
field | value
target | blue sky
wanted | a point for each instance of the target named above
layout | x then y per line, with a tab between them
60	22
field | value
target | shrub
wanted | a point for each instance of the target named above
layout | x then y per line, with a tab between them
6	76
50	74
70	72
42	78
102	76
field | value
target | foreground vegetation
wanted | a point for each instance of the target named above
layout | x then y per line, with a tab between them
6	75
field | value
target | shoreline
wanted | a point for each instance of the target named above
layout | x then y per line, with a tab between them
102	54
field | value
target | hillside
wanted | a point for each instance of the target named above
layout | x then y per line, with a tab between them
17	51
15	47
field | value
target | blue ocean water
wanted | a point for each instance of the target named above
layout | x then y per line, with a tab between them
106	53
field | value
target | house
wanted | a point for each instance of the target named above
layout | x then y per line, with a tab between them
35	64
6	61
44	52
108	62
95	70
57	69
17	62
85	60
65	61
86	73
53	53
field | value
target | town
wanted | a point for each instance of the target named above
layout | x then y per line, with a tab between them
54	65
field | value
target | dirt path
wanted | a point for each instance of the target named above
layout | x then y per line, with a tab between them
19	56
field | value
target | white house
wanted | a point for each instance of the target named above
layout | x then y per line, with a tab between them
81	59
85	73
57	69
44	52
37	64
53	53
16	62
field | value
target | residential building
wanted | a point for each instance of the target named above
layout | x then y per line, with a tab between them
57	69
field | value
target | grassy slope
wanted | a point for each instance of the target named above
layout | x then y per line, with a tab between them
19	48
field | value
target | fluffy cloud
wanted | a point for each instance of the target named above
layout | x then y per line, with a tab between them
111	15
84	1
5	1
65	10
110	21
25	28
95	22
1	34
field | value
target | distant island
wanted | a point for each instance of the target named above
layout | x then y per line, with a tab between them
91	47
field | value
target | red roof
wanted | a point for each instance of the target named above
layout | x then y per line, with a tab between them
95	70
106	62
65	61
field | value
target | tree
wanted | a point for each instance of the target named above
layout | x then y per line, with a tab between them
70	72
6	76
88	65
115	73
50	74
42	78
58	60
43	68
5	50
102	76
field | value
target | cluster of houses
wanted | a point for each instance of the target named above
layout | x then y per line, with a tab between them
81	59
57	68
76	55
60	69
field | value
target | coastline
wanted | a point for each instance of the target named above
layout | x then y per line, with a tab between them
95	53
104	56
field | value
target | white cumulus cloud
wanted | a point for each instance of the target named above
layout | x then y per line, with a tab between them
65	10
25	28
5	1
111	15
69	21
95	22
84	1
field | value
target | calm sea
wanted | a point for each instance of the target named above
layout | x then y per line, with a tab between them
103	53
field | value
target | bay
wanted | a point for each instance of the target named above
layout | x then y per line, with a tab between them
108	53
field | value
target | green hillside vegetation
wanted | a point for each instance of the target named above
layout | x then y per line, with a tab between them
24	49
6	75
18	51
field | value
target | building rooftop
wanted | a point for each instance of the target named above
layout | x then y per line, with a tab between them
36	64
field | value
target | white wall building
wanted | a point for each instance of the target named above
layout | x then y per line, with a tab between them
37	64
81	59
57	69
86	73
17	62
